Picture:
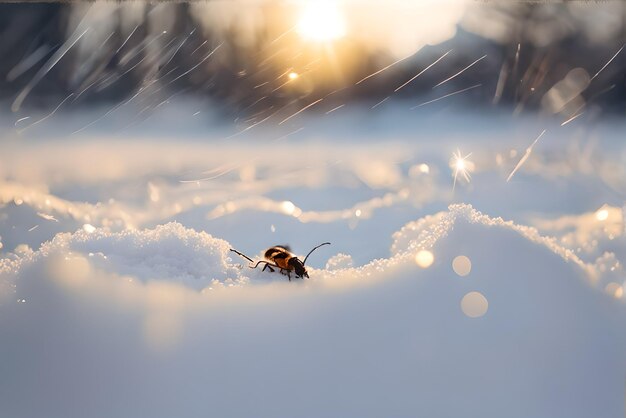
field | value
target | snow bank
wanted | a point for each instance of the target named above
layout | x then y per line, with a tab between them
497	321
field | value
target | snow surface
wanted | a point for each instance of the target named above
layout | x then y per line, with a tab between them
119	296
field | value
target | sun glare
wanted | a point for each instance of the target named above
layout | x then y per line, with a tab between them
461	165
321	21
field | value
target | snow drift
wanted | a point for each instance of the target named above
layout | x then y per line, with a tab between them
166	322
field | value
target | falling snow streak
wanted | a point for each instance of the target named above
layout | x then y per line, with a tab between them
383	69
94	77
282	85
257	101
132	68
159	58
150	109
130	55
504	72
271	57
220	173
197	65
279	37
335	108
516	61
47	217
300	111
607	64
126	40
381	102
221	170
335	92
198	48
288	135
522	160
447	95
421	72
161	79
114	108
178	48
533	77
460	72
47	116
259	122
572	118
46	68
578	112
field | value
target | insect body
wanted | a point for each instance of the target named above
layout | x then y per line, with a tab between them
281	257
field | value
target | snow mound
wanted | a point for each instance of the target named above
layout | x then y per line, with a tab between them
425	232
168	252
492	315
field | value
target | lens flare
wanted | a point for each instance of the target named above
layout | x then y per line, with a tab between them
461	165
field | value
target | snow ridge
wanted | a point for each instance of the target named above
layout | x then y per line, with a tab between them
197	260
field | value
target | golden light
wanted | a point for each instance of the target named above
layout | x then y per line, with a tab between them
321	21
288	207
424	259
461	165
293	75
614	289
602	214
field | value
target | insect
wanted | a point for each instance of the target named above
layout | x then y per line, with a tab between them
281	257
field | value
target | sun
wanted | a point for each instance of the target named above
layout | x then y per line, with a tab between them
321	21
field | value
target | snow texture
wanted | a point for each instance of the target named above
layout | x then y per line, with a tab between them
167	322
119	296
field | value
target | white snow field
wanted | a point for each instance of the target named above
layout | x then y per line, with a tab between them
119	296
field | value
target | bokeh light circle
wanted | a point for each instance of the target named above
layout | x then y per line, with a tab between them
474	304
462	265
424	258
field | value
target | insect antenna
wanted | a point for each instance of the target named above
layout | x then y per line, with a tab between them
243	255
314	248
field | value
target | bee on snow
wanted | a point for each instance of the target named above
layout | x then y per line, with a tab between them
281	257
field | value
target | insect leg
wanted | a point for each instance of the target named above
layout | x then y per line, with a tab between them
268	265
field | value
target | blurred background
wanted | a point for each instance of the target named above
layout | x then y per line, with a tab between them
263	60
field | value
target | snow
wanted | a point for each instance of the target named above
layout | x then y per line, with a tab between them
495	299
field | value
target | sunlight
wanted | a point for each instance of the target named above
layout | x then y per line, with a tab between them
602	214
461	165
321	21
424	258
